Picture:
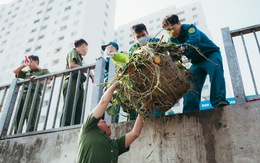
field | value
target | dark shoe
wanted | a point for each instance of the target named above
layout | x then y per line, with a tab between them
222	104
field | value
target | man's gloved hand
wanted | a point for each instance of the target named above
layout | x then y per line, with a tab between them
26	61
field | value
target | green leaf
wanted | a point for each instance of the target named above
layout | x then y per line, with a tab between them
120	58
112	110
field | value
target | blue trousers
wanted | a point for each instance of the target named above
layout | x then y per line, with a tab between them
213	68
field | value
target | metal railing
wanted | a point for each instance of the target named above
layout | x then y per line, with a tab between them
237	61
18	96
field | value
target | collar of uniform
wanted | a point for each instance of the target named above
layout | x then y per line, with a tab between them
104	134
35	70
78	53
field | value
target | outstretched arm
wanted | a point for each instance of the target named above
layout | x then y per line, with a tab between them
135	132
100	109
18	69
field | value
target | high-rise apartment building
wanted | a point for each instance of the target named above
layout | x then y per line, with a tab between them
48	28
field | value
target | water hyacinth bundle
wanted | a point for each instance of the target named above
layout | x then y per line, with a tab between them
153	75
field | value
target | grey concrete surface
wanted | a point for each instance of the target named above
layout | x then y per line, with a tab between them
222	135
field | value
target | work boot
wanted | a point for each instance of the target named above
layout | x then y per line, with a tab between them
222	104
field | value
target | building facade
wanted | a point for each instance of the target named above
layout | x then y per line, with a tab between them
48	28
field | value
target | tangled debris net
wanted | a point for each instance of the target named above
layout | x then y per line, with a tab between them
154	74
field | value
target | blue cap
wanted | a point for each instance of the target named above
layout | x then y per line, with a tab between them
103	47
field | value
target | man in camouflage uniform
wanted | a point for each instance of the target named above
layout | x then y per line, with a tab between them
73	60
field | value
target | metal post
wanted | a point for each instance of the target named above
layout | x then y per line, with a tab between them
99	78
233	65
257	42
58	101
249	63
111	73
49	104
8	108
85	97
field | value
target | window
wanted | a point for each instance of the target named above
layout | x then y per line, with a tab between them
65	17
78	12
41	37
49	9
130	35
38	47
33	30
36	21
205	87
182	20
31	40
1	51
74	33
58	50
60	38
121	38
107	6
3	28
158	19
196	23
131	42
47	17
122	30
43	27
63	27
180	13
76	23
104	32
56	61
151	21
27	50
193	9
80	3
7	33
67	8
13	16
158	26
105	23
106	14
195	16
50	1
42	4
4	42
39	12
10	24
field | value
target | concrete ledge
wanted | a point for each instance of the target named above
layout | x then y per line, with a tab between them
213	136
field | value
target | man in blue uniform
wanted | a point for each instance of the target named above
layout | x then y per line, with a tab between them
207	61
141	36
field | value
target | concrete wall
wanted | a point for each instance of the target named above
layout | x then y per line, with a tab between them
224	135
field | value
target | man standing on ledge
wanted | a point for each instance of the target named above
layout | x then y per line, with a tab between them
209	62
74	60
33	63
94	142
